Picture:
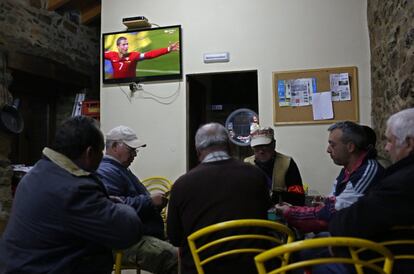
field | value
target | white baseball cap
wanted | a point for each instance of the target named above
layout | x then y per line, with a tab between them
126	135
262	136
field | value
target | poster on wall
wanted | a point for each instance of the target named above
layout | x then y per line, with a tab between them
296	92
340	87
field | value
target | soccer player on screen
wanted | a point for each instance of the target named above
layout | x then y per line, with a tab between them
124	63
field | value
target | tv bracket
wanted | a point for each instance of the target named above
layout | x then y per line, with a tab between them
134	87
137	22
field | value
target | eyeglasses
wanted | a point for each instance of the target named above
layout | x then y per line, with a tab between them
130	149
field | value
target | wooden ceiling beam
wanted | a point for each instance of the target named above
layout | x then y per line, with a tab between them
90	13
55	4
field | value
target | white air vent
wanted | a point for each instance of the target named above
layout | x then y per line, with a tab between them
216	57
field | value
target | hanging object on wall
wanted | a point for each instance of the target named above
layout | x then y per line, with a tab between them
240	123
10	118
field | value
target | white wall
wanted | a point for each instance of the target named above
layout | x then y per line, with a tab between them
267	35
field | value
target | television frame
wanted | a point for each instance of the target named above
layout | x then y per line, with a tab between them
137	79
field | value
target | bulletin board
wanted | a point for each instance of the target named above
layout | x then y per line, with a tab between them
342	110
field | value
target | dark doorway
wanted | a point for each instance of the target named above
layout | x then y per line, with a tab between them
41	106
212	97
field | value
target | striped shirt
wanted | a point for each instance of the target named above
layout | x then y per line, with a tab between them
348	187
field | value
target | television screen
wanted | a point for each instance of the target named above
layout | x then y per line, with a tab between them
142	55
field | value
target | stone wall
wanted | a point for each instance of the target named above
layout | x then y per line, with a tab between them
5	148
26	27
36	31
391	31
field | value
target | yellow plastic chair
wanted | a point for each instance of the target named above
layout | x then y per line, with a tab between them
398	242
118	266
279	234
402	242
159	184
352	244
156	184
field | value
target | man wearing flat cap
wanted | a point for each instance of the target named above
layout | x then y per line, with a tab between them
284	180
151	253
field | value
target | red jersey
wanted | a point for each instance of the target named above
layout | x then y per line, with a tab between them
125	67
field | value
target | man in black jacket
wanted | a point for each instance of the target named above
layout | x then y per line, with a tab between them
62	220
389	204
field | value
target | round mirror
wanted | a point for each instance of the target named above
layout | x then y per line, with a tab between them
240	123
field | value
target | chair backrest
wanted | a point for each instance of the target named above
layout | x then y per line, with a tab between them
353	245
157	184
402	246
271	233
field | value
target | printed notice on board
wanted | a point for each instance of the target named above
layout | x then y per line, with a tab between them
322	106
296	92
340	87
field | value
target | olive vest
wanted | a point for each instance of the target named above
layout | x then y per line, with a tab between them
280	168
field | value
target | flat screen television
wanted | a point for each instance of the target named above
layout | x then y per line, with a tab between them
142	55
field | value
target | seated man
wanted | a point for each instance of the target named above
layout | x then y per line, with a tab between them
219	189
372	141
283	177
348	147
390	203
151	253
62	219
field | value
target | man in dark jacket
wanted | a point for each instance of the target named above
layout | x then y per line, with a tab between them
218	189
283	176
62	220
389	204
151	253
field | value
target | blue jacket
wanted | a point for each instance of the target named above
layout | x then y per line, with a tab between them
63	222
120	181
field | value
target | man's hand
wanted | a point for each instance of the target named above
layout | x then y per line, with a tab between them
282	208
159	200
174	46
318	201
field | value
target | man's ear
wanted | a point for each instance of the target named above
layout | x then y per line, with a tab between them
410	144
351	147
89	151
86	158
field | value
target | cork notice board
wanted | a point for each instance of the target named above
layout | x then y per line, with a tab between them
342	110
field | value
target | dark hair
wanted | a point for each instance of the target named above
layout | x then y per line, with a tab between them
118	41
76	134
351	133
371	138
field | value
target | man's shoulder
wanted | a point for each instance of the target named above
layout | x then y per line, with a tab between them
108	164
111	54
249	160
134	55
369	167
399	173
48	172
282	156
234	166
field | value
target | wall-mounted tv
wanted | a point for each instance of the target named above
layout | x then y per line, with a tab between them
142	55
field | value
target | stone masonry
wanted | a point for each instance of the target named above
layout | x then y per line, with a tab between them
27	27
391	31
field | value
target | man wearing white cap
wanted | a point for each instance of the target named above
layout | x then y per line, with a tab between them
284	179
151	253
